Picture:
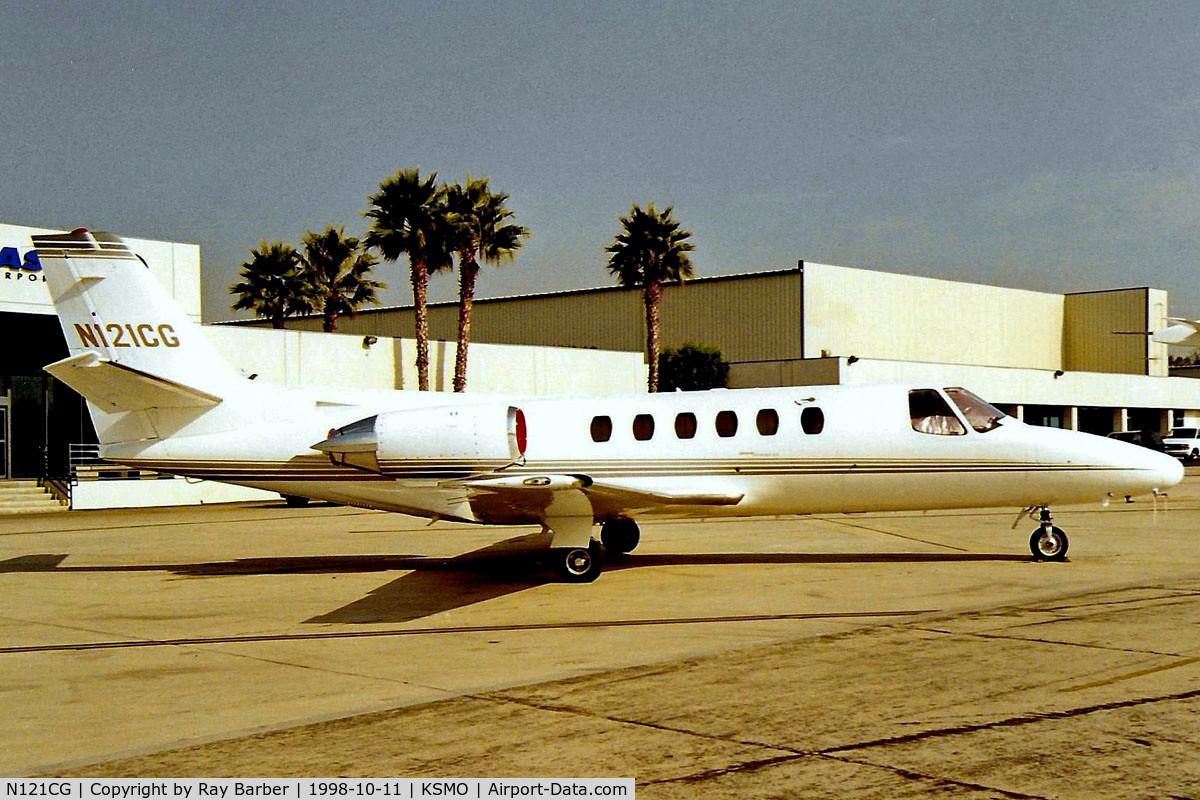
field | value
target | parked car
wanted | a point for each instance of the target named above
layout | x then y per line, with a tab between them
1151	439
1183	443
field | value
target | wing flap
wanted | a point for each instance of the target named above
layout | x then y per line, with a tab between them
114	387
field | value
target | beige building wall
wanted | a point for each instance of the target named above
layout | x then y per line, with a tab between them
1158	354
883	315
295	358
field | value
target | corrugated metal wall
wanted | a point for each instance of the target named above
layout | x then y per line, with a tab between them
750	317
1091	325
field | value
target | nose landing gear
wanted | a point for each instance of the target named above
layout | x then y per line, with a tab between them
1047	542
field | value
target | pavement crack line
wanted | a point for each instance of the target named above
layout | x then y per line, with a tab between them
1012	722
1176	595
788	754
935	779
1039	640
1130	675
281	663
846	524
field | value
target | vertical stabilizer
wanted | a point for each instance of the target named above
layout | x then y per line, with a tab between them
109	303
133	350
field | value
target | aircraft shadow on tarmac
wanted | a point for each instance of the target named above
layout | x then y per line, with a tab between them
433	585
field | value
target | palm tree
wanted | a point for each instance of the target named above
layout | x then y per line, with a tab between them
339	270
273	284
649	252
409	216
480	231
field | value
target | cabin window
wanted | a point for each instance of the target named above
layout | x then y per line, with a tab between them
931	414
685	425
727	423
643	427
812	420
767	422
981	415
601	429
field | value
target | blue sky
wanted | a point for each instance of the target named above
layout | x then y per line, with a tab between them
1048	146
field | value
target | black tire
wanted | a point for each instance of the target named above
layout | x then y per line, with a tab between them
1194	457
295	500
620	535
1049	546
578	564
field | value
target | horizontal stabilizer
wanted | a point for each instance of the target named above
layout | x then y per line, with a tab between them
114	387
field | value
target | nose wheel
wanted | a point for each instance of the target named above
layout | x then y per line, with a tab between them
1048	542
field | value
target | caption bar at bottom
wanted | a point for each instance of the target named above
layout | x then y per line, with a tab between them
324	788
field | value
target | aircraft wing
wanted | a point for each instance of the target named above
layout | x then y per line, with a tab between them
535	494
114	387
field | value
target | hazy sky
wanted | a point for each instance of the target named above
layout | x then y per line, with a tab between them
1040	145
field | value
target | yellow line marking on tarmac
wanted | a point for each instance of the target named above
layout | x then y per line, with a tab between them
1127	676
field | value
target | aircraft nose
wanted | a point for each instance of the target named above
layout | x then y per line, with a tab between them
1168	469
1147	469
1097	466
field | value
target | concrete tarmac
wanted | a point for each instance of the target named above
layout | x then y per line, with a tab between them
878	655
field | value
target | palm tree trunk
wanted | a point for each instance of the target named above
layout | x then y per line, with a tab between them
329	324
420	279
651	296
467	271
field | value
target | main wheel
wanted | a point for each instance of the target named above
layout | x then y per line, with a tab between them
620	535
295	501
1049	545
578	564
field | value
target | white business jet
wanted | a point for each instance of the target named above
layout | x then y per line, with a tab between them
162	399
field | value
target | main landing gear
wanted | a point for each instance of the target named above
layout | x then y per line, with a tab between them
620	535
578	564
584	564
1047	542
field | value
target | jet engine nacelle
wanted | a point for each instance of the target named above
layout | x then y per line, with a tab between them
448	439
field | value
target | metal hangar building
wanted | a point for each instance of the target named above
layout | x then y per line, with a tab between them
1078	360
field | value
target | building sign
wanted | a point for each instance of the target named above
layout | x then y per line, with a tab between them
23	286
25	290
21	268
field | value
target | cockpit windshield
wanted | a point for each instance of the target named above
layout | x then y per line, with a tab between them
931	414
980	414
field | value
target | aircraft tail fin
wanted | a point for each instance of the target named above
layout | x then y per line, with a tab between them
132	348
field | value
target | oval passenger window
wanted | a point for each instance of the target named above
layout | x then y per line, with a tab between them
601	429
812	420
